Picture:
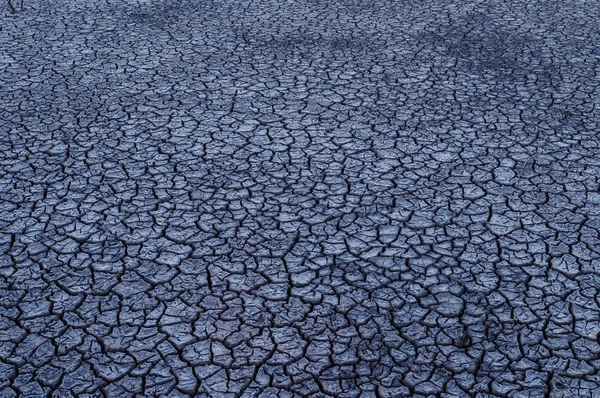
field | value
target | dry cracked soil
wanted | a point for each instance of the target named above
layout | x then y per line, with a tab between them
308	198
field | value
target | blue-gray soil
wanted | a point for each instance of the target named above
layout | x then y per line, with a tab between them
300	198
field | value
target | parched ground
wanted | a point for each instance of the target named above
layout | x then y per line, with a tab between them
307	198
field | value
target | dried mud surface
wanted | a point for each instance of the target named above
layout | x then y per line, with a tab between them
307	198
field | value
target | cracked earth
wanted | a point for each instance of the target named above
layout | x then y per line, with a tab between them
310	198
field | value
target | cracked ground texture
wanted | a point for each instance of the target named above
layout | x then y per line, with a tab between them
309	198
